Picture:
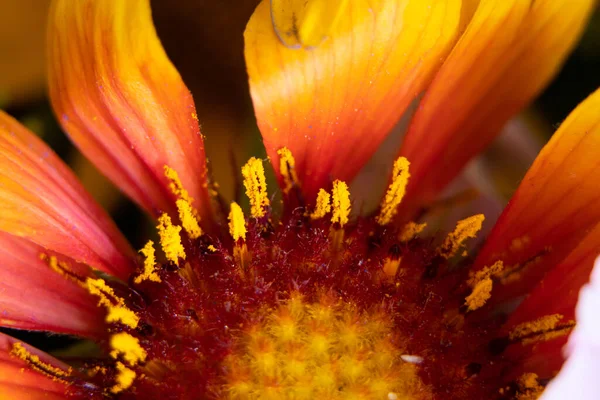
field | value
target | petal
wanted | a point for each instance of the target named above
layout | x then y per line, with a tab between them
509	52
122	102
555	206
563	282
578	378
17	381
333	104
42	201
34	297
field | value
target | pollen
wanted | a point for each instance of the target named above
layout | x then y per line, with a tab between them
34	362
395	192
410	231
465	229
128	347
115	305
528	387
170	240
188	220
176	186
287	169
341	203
542	329
62	268
149	264
323	205
482	285
256	187
328	349
125	377
237	222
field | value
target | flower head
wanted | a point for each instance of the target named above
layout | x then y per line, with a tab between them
317	300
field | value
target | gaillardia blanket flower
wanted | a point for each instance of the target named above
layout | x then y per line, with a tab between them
313	301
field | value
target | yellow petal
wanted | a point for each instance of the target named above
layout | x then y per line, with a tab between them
509	52
332	105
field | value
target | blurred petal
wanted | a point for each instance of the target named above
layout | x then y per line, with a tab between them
122	102
17	381
42	201
333	104
578	378
22	33
33	296
509	52
555	206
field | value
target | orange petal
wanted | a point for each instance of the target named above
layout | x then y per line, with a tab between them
35	297
333	104
509	52
555	206
122	102
42	201
18	381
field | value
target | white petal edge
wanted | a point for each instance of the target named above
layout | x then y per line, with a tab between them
579	377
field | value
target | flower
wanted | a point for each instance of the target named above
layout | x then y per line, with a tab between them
309	302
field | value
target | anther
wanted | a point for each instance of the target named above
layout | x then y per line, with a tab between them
341	203
395	192
35	363
323	205
117	310
170	240
256	187
149	264
542	329
287	169
465	229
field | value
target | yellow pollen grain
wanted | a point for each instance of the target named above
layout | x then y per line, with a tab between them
486	272
395	192
480	294
188	220
410	231
34	362
465	229
256	186
528	387
287	169
542	329
175	184
124	379
212	248
116	309
323	204
62	268
341	203
128	347
170	240
237	222
149	264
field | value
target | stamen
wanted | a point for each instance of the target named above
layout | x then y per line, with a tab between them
410	231
127	346
465	229
287	169
176	186
117	311
188	220
237	222
125	378
395	192
256	187
170	240
323	206
341	203
541	329
482	285
391	265
149	264
34	362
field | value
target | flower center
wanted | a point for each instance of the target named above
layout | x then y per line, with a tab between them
329	349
